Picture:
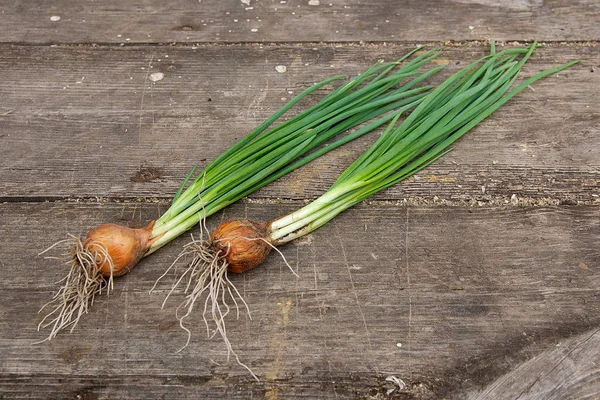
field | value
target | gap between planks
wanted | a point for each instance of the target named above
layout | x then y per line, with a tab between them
361	43
484	201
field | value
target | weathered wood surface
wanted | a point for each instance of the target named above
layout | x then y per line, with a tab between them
86	122
447	299
151	21
496	301
573	373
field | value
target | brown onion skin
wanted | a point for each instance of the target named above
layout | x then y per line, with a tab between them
126	246
229	240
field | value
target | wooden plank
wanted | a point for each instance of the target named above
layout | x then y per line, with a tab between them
447	299
568	371
85	122
112	21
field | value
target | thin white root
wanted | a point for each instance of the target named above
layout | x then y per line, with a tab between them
79	288
206	275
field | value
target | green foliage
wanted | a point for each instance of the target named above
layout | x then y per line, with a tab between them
372	99
441	118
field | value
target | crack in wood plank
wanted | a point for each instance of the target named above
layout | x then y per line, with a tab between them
139	138
355	293
409	291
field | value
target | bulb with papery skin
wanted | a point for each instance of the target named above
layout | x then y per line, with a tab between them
242	243
125	247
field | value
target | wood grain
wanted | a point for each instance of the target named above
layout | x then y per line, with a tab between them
568	371
86	122
450	300
498	301
152	21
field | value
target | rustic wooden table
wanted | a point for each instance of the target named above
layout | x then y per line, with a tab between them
477	279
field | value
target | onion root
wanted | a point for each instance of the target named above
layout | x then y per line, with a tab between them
109	250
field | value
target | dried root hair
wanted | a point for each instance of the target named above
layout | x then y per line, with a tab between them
206	275
79	288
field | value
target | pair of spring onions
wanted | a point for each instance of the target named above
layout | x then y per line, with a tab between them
376	97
